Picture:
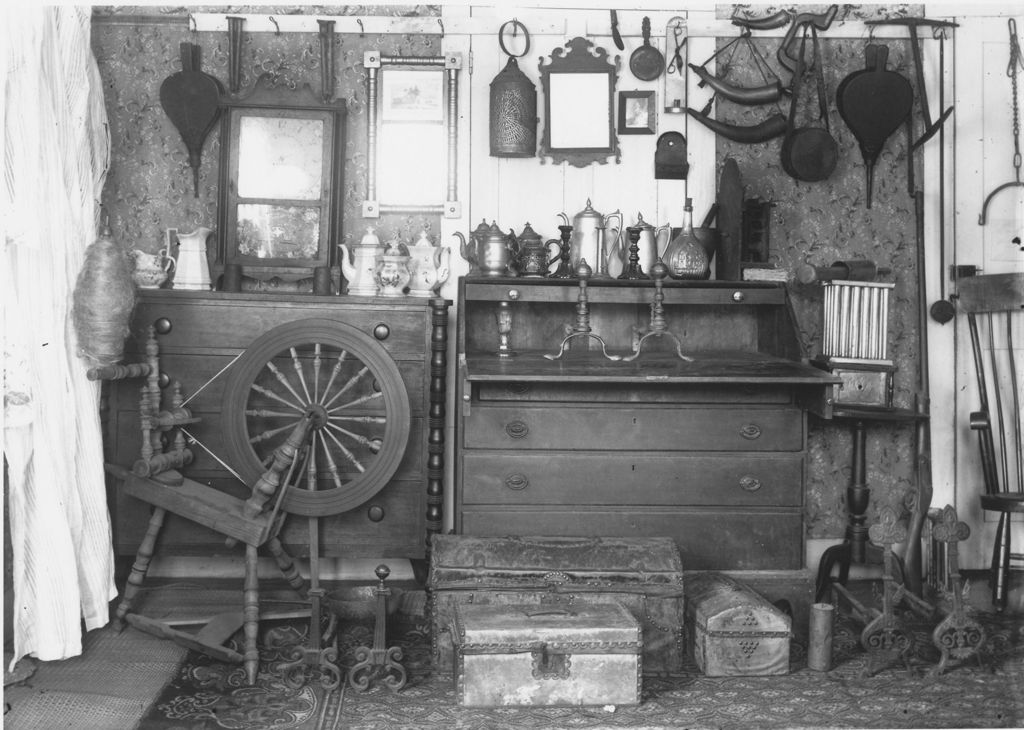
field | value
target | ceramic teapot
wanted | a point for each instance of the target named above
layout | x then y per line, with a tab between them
150	269
192	268
360	268
428	267
488	250
392	270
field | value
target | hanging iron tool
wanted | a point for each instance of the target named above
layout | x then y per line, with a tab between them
809	153
616	38
912	24
942	310
1016	62
646	62
676	65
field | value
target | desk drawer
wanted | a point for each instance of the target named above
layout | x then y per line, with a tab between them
733	539
632	478
706	428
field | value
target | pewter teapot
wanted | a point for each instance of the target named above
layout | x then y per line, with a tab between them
488	250
533	259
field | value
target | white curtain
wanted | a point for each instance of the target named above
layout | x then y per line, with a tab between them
56	153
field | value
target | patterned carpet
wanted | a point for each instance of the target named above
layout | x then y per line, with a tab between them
207	695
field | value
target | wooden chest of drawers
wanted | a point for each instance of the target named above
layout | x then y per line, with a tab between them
708	452
199	335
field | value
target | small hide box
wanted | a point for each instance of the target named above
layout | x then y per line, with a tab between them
528	655
734	631
645	575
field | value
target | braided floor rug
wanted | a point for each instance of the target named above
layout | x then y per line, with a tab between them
207	695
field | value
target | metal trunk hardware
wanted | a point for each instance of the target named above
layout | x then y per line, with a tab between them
513	105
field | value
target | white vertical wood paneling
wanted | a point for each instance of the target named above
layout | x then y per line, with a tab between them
984	156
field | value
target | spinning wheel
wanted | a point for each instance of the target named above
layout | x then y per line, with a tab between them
354	393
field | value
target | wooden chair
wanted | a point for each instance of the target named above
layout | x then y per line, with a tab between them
994	305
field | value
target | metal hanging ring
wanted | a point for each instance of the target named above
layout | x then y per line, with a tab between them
501	37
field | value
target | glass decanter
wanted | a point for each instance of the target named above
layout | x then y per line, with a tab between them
685	257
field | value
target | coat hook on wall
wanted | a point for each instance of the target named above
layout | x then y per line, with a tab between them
360	22
277	28
235	24
441	23
192	26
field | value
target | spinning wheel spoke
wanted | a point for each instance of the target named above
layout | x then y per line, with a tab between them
271	394
283	380
270	433
359	412
348	454
372	444
297	366
358	401
332	467
334	374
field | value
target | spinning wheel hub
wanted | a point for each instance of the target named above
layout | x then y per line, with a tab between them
347	384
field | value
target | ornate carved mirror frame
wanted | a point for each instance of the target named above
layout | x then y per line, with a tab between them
579	89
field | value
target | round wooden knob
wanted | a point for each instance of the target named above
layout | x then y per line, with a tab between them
382	331
382	572
513	294
738	296
375	513
162	326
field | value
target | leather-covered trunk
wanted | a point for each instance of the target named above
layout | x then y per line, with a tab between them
645	575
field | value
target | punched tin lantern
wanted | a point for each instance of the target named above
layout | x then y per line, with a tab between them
513	106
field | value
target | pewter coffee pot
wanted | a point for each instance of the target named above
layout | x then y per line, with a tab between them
648	246
488	250
588	237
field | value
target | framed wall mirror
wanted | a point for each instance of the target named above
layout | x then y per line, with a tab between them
280	176
412	134
579	92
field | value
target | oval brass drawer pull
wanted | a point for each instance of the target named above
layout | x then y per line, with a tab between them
749	483
750	431
517	429
517	482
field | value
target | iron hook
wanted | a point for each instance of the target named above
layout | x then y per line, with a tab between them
361	30
192	25
441	23
277	28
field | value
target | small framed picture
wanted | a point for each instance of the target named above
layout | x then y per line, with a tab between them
637	112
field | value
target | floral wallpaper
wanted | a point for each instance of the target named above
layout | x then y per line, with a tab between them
822	222
149	187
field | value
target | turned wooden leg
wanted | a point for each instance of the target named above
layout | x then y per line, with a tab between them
1001	563
251	613
139	567
287	565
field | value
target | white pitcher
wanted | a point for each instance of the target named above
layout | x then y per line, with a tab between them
360	270
192	270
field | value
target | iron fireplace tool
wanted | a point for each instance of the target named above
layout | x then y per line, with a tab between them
616	37
379	661
809	153
958	636
581	327
912	24
646	62
316	654
820	21
191	100
873	102
1016	61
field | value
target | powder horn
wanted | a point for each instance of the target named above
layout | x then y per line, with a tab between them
772	127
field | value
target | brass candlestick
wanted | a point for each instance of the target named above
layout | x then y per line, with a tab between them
564	270
658	326
581	328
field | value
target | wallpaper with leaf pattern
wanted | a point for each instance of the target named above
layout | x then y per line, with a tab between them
149	187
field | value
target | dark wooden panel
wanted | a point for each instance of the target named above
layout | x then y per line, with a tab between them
661	429
352	534
221	323
632	478
708	539
639	393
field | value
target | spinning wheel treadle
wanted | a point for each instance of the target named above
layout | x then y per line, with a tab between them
355	394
